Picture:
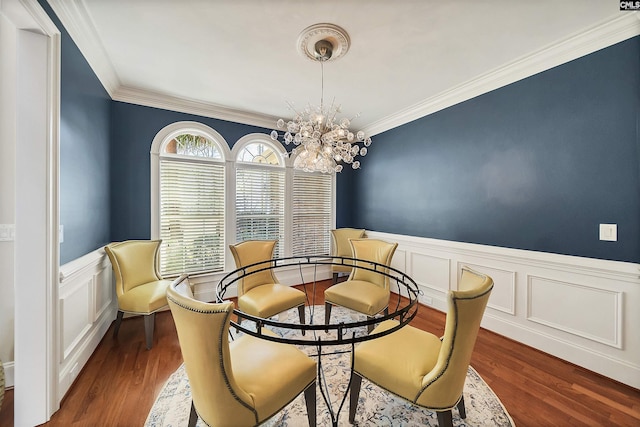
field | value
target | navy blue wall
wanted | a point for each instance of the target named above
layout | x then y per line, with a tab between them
84	152
347	197
133	128
535	165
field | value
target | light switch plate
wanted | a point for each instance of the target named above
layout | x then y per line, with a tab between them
609	232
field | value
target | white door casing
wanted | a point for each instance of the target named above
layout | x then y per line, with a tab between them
36	254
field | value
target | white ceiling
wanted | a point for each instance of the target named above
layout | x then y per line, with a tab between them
238	59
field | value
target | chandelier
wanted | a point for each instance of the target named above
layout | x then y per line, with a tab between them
323	140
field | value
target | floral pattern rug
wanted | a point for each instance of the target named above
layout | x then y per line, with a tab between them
376	407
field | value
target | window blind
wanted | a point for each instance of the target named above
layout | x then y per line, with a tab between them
260	204
192	216
312	203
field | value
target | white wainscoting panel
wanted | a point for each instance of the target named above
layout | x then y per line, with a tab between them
8	374
87	306
503	296
582	310
399	261
75	314
550	303
430	271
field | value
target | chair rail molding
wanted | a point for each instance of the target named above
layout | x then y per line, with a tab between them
582	310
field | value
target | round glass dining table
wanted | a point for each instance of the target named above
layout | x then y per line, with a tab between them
335	337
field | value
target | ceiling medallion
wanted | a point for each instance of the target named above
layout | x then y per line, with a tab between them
336	36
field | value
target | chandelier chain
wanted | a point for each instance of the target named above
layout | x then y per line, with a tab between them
322	85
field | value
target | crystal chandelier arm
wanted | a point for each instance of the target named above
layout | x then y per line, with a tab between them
333	111
293	108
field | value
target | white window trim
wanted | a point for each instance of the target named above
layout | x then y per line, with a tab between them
261	138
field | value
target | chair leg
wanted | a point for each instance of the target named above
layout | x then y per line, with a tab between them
461	409
116	327
310	401
239	320
327	314
193	416
301	315
335	278
356	382
371	326
445	419
149	321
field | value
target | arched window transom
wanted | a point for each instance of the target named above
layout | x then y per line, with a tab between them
189	144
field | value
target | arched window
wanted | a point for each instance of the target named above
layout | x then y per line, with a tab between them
190	197
260	190
205	196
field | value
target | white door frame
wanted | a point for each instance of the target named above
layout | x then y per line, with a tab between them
36	248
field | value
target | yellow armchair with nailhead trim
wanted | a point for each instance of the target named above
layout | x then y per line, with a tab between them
239	383
420	367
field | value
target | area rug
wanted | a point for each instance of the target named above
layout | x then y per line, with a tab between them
376	407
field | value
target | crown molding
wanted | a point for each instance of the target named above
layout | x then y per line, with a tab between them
605	34
76	20
198	108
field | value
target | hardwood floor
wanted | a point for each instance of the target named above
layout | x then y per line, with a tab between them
122	379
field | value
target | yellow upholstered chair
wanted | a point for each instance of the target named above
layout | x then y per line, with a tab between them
365	291
260	294
239	383
341	247
420	367
139	286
